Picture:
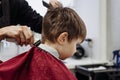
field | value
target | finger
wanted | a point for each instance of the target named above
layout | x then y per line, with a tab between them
22	38
55	3
18	39
58	4
32	40
28	35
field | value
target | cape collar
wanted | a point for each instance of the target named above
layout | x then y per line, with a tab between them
49	49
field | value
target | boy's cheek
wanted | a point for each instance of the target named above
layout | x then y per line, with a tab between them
74	51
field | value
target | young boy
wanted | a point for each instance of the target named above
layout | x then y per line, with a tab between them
62	30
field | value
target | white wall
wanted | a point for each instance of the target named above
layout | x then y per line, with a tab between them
93	12
37	5
89	12
113	26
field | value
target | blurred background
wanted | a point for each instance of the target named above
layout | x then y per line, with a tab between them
102	21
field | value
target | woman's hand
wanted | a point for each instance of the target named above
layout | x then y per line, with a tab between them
22	34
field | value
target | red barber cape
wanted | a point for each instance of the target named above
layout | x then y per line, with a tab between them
36	64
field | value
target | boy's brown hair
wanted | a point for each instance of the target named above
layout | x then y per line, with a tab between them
59	20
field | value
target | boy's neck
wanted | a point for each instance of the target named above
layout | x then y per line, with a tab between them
50	49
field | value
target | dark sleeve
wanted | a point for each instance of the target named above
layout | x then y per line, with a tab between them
23	14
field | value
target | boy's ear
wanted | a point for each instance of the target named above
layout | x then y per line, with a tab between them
62	38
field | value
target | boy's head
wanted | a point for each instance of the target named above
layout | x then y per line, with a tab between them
63	28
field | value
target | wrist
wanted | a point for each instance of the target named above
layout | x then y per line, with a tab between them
2	34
